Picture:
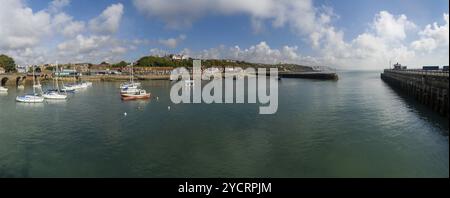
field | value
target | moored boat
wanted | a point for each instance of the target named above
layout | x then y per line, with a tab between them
30	99
55	95
139	94
3	89
129	90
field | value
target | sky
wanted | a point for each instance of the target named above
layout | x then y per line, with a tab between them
343	34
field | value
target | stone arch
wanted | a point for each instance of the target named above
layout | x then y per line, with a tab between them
20	80
4	80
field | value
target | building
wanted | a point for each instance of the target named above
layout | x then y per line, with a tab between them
21	69
2	70
178	57
105	72
67	73
398	66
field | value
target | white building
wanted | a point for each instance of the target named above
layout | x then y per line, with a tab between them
178	57
2	70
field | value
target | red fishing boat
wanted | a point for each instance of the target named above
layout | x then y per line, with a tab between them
139	94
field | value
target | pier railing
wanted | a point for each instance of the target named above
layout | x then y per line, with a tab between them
420	72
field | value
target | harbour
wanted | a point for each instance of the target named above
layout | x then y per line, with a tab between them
429	87
371	130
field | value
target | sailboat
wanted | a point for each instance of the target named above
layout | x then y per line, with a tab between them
31	98
55	94
131	84
75	86
3	89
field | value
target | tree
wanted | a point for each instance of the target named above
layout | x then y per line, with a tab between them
120	64
7	63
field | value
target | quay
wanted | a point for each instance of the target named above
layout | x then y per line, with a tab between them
429	87
310	75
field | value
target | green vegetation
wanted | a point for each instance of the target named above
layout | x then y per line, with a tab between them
7	63
154	61
50	68
121	64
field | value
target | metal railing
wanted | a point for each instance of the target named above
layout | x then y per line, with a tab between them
420	72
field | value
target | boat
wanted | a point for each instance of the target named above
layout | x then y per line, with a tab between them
86	84
131	83
72	87
129	90
31	98
139	94
68	89
55	94
3	89
20	87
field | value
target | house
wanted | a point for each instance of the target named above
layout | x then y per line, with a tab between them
178	57
2	70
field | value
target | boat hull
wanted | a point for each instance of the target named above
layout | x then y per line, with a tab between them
135	97
30	99
55	96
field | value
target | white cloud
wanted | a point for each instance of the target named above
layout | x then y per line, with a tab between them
20	26
24	33
57	5
389	27
65	25
109	21
433	36
172	42
92	48
301	15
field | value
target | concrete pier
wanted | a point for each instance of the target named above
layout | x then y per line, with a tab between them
430	88
310	75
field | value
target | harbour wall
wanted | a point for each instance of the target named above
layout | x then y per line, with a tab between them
429	88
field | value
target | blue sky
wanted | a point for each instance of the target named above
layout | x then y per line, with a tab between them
355	34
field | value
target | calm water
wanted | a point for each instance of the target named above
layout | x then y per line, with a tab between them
355	127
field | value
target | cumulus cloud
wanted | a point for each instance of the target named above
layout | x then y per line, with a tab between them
66	25
433	36
23	33
108	21
20	26
301	16
172	42
58	5
389	27
94	48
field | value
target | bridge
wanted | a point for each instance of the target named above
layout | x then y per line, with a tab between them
12	79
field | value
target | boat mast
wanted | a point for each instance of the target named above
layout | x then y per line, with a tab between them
132	75
56	78
34	88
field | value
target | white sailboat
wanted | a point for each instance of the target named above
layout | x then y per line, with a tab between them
131	84
76	86
31	98
3	89
55	94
